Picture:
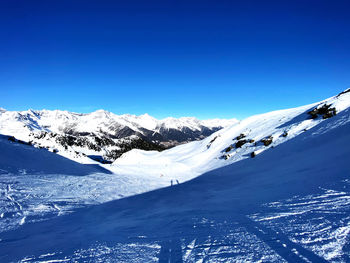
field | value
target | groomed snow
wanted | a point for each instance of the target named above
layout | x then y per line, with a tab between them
192	159
288	204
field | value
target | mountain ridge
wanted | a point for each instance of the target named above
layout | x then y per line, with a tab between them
245	139
287	203
103	133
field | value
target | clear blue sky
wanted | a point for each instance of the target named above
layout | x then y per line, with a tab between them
172	58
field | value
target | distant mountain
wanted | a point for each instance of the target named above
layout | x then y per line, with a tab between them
245	139
274	187
102	135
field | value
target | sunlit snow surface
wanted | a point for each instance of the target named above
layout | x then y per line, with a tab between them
306	228
30	198
291	203
195	158
318	222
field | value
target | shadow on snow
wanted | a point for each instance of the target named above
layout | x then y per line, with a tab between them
20	158
209	211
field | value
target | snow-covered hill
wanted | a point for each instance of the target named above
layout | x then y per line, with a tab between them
18	157
288	203
102	134
242	140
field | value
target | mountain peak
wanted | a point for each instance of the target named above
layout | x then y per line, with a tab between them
100	111
112	129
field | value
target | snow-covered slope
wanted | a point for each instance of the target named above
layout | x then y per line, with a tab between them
20	158
102	134
242	140
289	203
35	183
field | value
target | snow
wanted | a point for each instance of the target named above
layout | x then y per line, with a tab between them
192	159
19	158
21	123
42	127
288	204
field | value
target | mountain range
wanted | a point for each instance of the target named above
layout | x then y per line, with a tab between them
273	187
102	135
241	140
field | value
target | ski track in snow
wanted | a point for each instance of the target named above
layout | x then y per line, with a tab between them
311	227
31	198
319	222
301	229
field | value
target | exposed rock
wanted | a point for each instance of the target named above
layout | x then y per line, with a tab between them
225	157
240	143
241	136
343	92
210	143
229	148
325	111
267	141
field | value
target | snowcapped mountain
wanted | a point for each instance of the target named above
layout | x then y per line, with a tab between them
98	122
274	187
244	139
102	134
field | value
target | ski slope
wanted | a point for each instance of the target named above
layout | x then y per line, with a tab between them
36	183
290	203
192	159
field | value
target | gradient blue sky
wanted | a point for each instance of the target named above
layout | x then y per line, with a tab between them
172	58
